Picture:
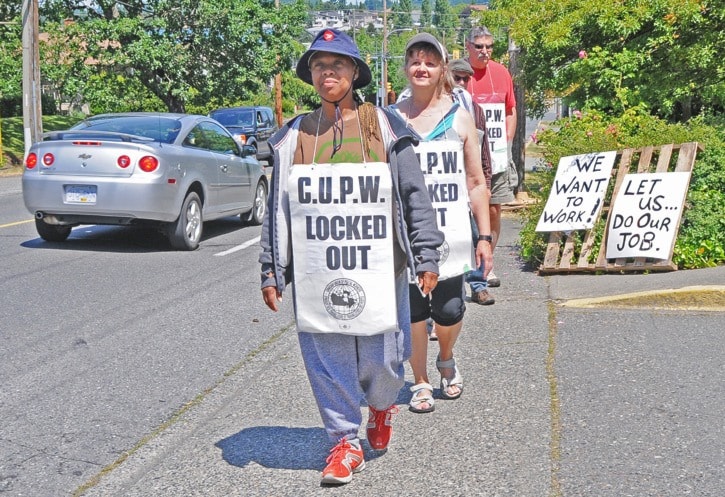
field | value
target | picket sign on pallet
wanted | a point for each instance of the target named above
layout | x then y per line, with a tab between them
560	258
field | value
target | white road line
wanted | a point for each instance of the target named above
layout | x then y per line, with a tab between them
244	245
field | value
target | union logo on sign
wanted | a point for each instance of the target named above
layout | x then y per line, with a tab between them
344	299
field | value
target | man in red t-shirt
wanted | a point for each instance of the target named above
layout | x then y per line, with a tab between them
492	88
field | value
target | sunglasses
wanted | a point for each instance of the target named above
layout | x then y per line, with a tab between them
461	79
481	46
337	132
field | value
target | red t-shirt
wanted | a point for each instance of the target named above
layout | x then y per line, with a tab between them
493	83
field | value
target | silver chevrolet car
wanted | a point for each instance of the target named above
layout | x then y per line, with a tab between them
174	171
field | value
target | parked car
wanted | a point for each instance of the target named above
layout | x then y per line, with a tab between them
250	126
173	171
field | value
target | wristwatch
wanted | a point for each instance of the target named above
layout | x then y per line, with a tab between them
485	238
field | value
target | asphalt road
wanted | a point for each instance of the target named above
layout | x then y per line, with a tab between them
112	346
107	335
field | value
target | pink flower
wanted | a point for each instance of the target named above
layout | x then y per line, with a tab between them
589	133
577	114
534	138
582	54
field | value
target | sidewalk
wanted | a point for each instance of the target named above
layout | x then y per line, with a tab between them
557	402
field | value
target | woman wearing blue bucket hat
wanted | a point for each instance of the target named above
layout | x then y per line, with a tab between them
350	222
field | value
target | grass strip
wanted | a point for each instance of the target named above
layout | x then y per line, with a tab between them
554	405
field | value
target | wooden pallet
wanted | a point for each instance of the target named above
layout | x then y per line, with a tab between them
561	253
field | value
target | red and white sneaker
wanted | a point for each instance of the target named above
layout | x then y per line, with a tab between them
344	460
380	426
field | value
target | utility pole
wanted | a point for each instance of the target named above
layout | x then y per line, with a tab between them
278	88
32	111
384	55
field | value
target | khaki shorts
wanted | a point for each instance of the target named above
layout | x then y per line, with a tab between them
503	184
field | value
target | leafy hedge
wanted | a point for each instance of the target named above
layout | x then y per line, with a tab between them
13	106
701	239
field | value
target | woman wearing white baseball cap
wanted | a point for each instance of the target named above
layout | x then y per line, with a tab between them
450	157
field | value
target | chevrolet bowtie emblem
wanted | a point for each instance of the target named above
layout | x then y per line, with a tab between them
85	156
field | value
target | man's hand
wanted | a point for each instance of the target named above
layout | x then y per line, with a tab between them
427	281
485	254
271	296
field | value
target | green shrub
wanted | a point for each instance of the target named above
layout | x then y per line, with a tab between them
302	95
701	242
13	137
701	236
13	106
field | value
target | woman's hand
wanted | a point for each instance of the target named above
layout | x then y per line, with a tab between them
427	281
271	296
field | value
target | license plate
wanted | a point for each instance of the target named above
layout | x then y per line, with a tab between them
80	194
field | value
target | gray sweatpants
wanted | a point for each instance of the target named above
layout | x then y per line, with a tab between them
344	370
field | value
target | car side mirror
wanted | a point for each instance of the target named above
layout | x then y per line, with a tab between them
248	150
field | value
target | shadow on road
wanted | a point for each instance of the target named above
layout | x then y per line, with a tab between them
129	239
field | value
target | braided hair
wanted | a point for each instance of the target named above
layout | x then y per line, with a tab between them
369	123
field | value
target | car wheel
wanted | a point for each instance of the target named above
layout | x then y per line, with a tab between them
185	232
255	217
52	232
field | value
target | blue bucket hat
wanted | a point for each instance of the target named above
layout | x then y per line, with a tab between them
337	42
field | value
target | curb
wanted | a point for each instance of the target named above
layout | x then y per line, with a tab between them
690	298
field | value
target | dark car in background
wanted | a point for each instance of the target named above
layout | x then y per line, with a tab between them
249	126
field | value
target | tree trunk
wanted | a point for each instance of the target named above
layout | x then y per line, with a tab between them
518	149
175	104
686	104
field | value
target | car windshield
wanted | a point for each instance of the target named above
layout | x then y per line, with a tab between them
234	117
162	129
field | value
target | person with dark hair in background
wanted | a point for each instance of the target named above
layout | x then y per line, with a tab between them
349	222
462	73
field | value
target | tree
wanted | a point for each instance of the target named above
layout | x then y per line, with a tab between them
663	55
444	20
181	53
464	30
403	14
9	10
11	60
425	14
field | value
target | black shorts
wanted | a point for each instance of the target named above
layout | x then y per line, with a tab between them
446	304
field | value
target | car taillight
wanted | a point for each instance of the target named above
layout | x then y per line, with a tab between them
48	159
148	163
123	161
31	160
